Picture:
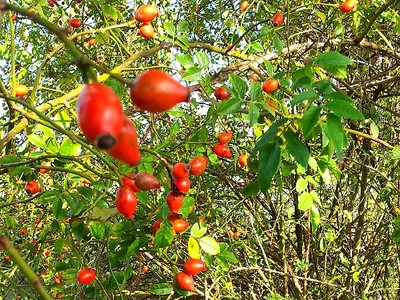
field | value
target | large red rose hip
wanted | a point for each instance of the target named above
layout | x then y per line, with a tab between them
100	115
86	276
126	201
126	148
156	91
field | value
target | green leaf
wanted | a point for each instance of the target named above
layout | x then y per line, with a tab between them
209	245
97	230
344	109
374	129
136	245
193	248
306	95
396	152
184	40
228	107
102	214
315	218
251	189
396	235
257	46
270	158
239	86
69	148
185	60
334	63
203	60
296	148
305	201
301	184
255	91
254	113
333	129
192	74
277	43
110	12
164	235
310	119
187	207
37	140
338	96
57	207
198	230
269	135
169	28
161	289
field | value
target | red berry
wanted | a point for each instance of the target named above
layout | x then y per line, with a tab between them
174	201
146	30
243	160
278	19
180	225
100	115
126	201
185	281
86	276
180	170
76	23
126	148
222	150
271	85
156	91
32	187
145	181
194	266
221	93
198	165
172	216
128	181
182	185
146	13
224	137
157	225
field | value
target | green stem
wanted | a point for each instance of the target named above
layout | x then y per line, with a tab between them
24	268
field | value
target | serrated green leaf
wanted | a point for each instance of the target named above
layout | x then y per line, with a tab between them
344	109
255	91
310	119
305	201
102	214
184	41
69	148
164	235
110	11
198	230
169	28
161	289
209	245
301	184
334	63
193	248
135	246
396	152
192	74
37	141
270	159
187	207
269	135
277	43
239	86
315	218
338	96
333	129
306	95
396	235
228	107
203	60
97	230
185	60
254	113
296	148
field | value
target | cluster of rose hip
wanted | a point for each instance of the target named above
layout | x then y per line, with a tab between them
145	14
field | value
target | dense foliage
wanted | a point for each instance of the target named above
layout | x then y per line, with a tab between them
314	212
